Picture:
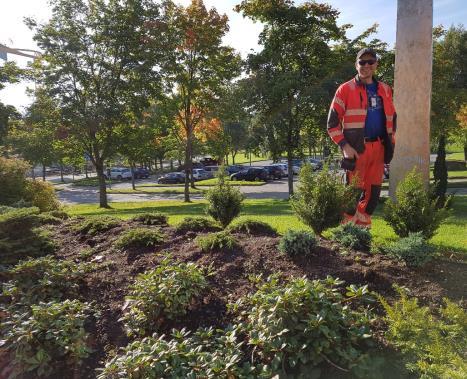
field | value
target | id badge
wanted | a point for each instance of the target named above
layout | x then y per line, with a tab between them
373	102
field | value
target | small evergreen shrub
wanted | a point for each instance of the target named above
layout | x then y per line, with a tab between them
433	343
139	237
97	224
321	198
303	323
59	214
13	180
252	227
216	242
44	279
197	224
224	200
49	338
163	293
207	353
297	243
5	209
151	218
42	195
415	210
352	236
414	250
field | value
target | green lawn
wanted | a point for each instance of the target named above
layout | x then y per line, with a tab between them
207	183
452	235
149	190
242	158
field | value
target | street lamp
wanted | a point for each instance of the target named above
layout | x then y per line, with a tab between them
4	50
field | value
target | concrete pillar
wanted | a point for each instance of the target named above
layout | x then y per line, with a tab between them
412	89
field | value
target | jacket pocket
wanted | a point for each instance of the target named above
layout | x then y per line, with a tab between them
355	138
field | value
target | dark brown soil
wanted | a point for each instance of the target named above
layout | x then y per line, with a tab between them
107	286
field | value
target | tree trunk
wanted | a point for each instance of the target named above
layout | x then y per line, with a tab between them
290	170
227	159
61	173
187	166
234	153
133	185
160	163
440	171
86	170
102	185
172	164
43	172
465	152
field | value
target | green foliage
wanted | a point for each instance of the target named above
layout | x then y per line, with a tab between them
197	224
252	227
97	224
321	198
352	236
42	195
414	211
207	353
225	201
139	237
297	243
163	293
303	323
20	236
414	250
12	179
220	241
433	343
151	218
43	279
49	338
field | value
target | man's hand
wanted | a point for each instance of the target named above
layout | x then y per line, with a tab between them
349	152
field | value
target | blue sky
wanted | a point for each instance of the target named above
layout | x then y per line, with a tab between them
243	32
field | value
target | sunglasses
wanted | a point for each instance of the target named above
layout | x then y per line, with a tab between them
363	62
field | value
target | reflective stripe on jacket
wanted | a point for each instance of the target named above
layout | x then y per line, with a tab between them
347	114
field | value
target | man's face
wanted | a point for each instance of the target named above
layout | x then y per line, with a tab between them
364	68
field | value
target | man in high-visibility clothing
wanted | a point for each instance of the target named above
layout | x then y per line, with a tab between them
362	121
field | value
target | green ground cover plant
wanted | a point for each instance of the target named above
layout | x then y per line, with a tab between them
148	218
352	236
97	224
252	227
220	241
197	224
414	250
48	339
139	237
162	293
297	243
434	343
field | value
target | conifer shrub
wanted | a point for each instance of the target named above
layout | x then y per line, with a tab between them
139	237
42	195
220	241
97	224
414	250
252	227
297	243
163	293
224	200
352	236
47	339
148	218
433	342
321	198
304	323
12	179
414	209
197	224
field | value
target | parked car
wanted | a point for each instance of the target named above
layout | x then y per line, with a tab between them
283	167
172	178
118	173
232	169
251	174
208	161
316	164
141	173
200	174
274	172
211	170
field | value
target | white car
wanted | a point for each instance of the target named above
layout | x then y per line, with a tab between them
119	173
200	174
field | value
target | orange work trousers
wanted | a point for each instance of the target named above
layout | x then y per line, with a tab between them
368	174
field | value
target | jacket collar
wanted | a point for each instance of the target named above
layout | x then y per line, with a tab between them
359	82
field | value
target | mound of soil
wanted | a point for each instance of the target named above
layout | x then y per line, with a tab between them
108	285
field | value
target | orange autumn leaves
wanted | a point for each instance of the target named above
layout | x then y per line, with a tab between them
205	129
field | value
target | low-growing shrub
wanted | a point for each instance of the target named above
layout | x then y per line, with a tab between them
252	227
207	353
304	323
216	241
44	279
434	344
414	209
165	292
321	198
297	242
224	200
414	250
139	237
197	224
42	195
48	339
97	224
59	214
352	236
151	218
